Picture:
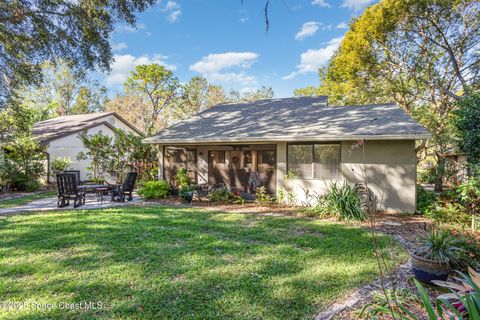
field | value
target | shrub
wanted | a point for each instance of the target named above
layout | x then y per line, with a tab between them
342	202
469	195
60	164
262	197
186	192
182	179
451	213
24	164
425	199
469	243
221	195
154	189
427	175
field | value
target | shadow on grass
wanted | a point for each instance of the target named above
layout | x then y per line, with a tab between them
152	263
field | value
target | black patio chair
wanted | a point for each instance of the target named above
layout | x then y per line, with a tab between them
76	172
68	189
125	189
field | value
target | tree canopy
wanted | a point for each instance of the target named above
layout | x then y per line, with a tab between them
422	54
32	31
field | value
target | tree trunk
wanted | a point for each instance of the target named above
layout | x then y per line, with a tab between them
440	172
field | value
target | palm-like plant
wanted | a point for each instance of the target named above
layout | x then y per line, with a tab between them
462	303
439	245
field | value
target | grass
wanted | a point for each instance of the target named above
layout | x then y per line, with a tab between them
9	203
175	263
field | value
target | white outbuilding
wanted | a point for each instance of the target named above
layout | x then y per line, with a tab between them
60	138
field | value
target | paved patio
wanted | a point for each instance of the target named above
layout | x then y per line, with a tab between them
46	204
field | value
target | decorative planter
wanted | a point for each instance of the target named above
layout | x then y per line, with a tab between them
187	196
427	270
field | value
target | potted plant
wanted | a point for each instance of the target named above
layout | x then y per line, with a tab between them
433	258
186	193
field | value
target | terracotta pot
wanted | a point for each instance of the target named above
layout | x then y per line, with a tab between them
427	270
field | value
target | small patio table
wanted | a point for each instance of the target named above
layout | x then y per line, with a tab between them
98	189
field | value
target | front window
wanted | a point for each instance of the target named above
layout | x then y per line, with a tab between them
314	161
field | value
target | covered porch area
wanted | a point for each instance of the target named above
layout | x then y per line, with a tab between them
240	167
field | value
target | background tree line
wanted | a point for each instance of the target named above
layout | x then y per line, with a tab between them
421	54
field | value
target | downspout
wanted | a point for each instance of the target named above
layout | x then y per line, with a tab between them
48	166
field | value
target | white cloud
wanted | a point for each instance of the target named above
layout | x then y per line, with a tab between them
342	25
217	67
119	46
128	28
308	29
247	90
231	77
312	59
321	3
327	27
216	62
123	64
356	5
172	17
171	5
173	10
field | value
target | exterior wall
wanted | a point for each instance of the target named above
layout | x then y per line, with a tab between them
70	146
389	168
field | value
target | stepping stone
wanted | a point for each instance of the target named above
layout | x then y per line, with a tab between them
392	223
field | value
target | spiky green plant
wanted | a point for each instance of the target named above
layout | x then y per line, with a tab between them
439	245
343	202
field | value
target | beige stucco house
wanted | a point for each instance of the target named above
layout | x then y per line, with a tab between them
317	143
59	135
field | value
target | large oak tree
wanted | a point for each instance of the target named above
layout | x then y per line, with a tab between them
422	54
32	31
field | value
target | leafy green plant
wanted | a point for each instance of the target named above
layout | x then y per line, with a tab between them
469	243
60	164
450	213
469	195
24	164
98	150
425	198
465	122
221	195
462	303
439	245
464	296
186	192
317	208
262	197
238	200
281	195
154	189
379	307
342	202
427	175
182	179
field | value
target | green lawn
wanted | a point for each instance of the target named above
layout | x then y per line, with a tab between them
25	199
162	262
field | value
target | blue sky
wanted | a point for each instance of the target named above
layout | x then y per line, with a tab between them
227	43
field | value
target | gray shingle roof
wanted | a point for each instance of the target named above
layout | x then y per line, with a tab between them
55	128
290	119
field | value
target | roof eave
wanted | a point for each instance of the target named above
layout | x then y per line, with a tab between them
420	136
